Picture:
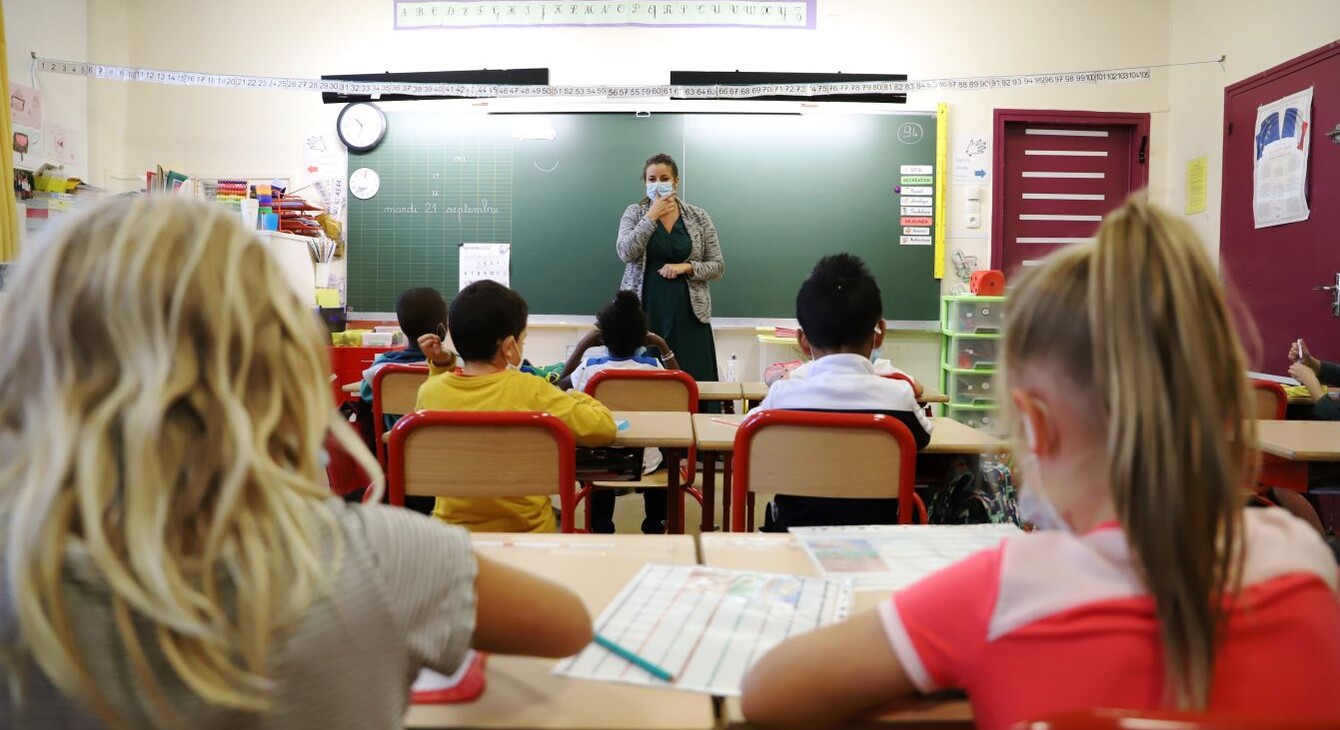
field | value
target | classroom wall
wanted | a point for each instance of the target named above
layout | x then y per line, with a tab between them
1253	43
58	29
217	132
214	131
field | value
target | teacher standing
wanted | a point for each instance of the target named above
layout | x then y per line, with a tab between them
670	252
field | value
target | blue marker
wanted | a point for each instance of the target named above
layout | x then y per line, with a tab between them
622	425
636	660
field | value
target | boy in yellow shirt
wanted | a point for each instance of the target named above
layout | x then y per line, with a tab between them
488	327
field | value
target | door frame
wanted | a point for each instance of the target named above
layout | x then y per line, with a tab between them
1139	171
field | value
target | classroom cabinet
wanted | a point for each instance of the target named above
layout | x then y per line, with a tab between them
970	337
970	315
348	363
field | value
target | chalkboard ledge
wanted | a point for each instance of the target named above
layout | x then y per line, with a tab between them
559	321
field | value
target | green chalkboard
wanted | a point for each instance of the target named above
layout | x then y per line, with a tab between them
783	190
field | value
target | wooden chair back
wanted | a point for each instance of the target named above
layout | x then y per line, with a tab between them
1270	402
395	391
809	454
483	454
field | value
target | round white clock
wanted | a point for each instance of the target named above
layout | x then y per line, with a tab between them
361	126
364	183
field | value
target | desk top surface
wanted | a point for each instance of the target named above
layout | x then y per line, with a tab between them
522	692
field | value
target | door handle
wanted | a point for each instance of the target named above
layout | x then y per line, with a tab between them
1334	289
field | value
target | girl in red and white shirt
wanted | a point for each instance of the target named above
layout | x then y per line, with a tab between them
1156	589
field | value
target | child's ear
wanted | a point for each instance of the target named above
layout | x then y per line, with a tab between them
1040	433
879	334
804	343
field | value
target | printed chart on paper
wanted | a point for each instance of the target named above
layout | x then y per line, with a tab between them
706	626
894	556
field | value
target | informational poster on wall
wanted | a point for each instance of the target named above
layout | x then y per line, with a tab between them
481	261
25	110
1279	172
972	161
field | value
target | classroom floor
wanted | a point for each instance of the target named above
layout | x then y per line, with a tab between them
628	512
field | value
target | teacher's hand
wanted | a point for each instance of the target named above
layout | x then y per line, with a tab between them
674	271
660	207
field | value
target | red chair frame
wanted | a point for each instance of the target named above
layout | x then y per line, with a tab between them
1281	398
378	414
1277	472
447	420
759	420
690	475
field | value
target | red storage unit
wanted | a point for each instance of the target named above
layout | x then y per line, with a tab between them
348	363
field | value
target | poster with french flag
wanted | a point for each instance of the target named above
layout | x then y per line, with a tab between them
1279	173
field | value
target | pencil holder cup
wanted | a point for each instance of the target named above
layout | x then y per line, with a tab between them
322	275
249	208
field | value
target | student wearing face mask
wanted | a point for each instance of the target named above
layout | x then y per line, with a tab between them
488	328
670	252
1158	589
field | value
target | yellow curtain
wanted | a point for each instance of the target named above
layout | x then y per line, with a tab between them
9	209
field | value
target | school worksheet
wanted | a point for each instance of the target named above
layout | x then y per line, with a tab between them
705	626
894	556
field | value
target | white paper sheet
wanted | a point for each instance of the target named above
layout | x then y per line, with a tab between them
1279	172
706	626
1281	379
486	261
431	681
894	556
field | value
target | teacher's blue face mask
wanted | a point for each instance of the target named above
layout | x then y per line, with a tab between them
659	189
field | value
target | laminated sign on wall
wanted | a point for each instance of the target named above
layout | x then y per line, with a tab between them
1279	172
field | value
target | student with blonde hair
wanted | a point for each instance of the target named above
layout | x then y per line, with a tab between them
1156	588
171	559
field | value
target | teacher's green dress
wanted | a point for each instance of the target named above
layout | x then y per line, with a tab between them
669	311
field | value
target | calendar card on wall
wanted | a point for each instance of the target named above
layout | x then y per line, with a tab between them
486	261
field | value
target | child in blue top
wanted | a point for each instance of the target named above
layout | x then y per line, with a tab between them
420	311
621	326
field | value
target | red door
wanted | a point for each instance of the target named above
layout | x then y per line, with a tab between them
1057	175
1276	269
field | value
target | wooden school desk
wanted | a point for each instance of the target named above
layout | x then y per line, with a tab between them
725	392
753	392
1296	445
718	390
523	693
1303	441
715	436
783	554
670	431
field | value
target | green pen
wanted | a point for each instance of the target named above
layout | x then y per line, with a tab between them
636	660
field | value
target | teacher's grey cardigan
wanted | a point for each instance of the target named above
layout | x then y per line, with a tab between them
634	232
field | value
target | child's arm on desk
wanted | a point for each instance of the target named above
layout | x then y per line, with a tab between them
825	677
520	613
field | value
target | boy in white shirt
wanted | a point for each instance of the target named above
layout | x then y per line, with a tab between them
621	326
841	323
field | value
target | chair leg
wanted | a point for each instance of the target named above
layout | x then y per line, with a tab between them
674	496
709	491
